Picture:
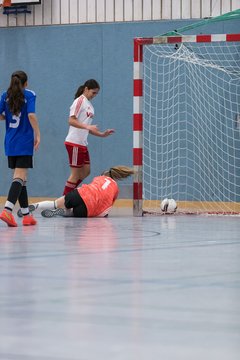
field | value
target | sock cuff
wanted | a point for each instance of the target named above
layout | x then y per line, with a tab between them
20	181
25	211
9	205
71	184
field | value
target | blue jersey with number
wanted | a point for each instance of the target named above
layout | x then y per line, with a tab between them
19	138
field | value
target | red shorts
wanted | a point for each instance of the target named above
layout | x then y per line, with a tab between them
78	155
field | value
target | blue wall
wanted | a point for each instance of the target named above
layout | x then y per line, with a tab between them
60	58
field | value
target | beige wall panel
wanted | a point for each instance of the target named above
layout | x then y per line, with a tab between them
3	19
128	10
73	11
56	11
29	21
100	10
186	9
205	8
82	8
64	14
91	10
196	9
147	9
109	10
47	12
235	4
119	10
176	9
21	19
216	7
226	6
137	10
38	15
166	9
12	20
156	9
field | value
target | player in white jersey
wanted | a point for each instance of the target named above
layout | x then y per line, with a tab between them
80	121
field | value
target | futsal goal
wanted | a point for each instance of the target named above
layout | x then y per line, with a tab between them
186	123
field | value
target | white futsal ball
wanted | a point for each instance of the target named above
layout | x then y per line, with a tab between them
168	205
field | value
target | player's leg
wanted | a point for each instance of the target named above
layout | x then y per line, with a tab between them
75	202
85	171
76	177
46	204
79	162
72	202
56	207
23	163
50	207
19	175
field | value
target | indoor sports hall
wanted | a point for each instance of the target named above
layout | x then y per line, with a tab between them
158	278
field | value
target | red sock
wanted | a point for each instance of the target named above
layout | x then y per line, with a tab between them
79	182
69	186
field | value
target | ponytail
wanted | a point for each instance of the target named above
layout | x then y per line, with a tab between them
15	92
119	172
90	84
79	91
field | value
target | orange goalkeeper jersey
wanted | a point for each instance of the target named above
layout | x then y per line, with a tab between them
99	195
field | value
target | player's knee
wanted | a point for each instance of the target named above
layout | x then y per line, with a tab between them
72	199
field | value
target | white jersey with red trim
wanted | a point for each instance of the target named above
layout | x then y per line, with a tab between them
83	110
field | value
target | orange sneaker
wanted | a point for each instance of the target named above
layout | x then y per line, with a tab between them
28	220
8	218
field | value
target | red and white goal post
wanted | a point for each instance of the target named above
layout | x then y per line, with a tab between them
186	123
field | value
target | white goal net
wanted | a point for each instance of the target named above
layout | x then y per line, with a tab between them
191	126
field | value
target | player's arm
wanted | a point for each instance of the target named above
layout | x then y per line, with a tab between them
73	121
2	109
34	123
102	133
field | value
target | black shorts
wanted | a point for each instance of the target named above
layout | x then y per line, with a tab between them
74	201
22	162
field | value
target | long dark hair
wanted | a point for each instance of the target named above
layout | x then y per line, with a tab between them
90	84
15	95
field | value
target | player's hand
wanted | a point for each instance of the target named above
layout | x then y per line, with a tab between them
36	143
108	132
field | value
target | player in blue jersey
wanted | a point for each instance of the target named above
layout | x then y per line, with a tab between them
17	108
